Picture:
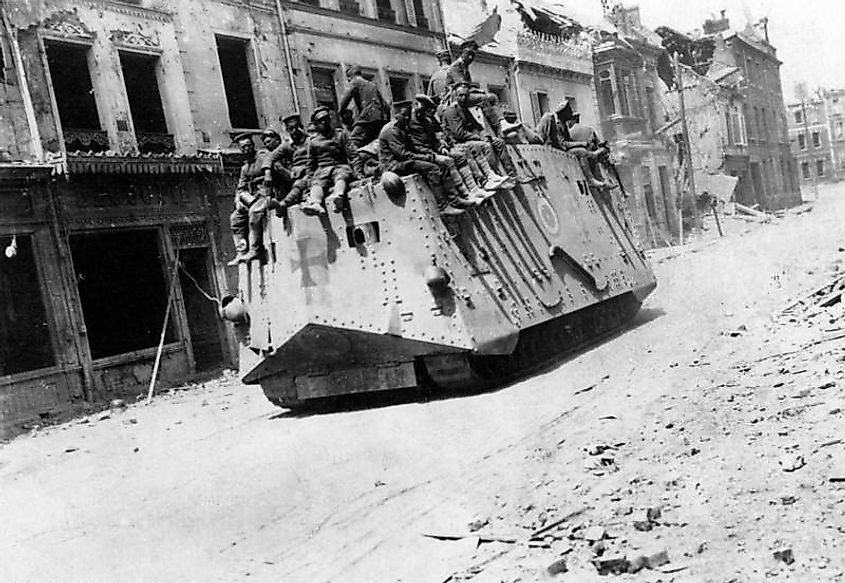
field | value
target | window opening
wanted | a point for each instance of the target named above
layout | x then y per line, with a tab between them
500	92
817	141
820	167
399	88
419	11
139	75
385	11
802	142
74	95
325	93
606	90
805	169
24	332
122	288
648	191
235	69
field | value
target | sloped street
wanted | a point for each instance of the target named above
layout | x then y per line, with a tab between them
712	429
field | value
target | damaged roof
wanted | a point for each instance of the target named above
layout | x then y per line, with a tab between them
558	18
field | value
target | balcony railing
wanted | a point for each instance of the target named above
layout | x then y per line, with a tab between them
155	143
81	140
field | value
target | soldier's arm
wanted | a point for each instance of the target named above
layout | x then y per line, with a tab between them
348	147
243	181
454	126
312	161
347	96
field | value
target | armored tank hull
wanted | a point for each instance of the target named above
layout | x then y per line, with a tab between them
388	295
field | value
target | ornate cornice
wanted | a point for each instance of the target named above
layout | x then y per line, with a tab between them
66	24
132	10
135	39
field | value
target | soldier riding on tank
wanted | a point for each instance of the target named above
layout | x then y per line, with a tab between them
330	154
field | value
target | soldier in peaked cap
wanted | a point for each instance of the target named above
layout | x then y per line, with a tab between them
294	156
330	155
553	130
397	154
252	199
370	107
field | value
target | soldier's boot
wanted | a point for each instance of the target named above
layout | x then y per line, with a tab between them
255	246
493	180
314	204
444	204
337	199
240	250
473	190
588	173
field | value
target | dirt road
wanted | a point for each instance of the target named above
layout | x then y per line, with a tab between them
687	412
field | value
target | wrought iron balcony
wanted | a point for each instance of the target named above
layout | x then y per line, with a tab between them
82	140
155	143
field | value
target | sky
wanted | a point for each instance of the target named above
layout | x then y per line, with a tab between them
809	36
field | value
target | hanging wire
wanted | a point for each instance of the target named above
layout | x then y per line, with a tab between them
205	294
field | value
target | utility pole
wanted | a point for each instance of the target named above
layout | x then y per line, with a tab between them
807	143
679	80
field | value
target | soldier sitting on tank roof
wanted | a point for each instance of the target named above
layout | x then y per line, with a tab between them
515	131
598	152
252	199
396	154
463	129
277	178
553	129
330	153
294	156
425	139
366	163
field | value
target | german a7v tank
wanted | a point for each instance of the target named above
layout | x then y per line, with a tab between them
388	295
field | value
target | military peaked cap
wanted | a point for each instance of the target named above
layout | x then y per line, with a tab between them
292	116
425	100
442	54
271	132
242	136
320	113
401	105
352	70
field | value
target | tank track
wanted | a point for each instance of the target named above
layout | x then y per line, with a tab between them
538	346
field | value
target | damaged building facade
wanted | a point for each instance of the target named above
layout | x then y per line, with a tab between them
817	136
631	108
735	101
540	57
118	165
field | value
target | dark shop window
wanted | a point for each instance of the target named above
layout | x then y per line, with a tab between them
24	333
234	66
123	290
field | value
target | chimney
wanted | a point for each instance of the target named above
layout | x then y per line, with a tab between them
717	25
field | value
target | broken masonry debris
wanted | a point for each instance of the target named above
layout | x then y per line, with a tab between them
613	565
594	533
785	555
557	567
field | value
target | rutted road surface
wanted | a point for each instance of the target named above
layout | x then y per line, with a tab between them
213	483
